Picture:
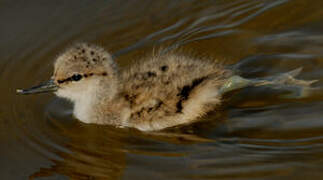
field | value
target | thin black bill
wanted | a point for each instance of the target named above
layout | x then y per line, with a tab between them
48	86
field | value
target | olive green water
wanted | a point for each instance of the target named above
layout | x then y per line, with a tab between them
257	134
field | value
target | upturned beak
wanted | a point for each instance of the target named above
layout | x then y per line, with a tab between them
48	86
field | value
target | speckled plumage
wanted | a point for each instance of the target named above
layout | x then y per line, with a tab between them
171	89
159	91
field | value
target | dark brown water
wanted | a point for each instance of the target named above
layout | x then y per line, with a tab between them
257	134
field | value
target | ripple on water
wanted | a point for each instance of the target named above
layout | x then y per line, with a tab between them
256	135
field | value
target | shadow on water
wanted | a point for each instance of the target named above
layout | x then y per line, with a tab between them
256	134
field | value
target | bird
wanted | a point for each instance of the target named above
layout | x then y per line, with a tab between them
159	91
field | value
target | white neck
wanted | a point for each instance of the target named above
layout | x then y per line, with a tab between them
88	97
83	109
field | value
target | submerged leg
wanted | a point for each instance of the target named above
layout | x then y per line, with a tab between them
286	81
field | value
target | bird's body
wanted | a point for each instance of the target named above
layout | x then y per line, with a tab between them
170	89
157	92
160	91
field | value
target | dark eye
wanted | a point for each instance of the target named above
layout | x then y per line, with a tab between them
76	77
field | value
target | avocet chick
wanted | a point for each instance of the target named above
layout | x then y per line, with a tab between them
161	91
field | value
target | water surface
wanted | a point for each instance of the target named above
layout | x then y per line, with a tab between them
257	134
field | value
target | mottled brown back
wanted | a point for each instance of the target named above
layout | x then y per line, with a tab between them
162	86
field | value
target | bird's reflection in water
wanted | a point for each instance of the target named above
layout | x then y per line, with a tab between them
92	152
99	152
